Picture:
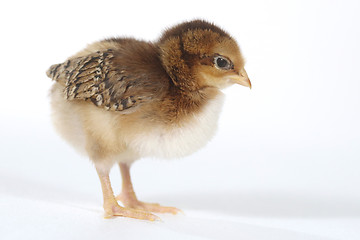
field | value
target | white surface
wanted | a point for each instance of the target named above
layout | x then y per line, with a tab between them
284	164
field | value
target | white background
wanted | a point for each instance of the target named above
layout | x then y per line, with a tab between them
285	161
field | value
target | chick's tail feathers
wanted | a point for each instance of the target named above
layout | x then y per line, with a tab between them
57	72
51	72
63	72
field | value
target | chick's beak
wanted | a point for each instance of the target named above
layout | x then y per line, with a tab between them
242	78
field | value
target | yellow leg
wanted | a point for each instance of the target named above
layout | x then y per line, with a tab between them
129	199
111	206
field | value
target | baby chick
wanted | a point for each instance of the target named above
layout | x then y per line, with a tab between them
122	99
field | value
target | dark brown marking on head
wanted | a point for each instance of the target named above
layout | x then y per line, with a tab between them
192	25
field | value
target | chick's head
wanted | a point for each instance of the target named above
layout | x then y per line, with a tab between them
197	54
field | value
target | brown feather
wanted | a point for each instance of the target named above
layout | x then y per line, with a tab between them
108	79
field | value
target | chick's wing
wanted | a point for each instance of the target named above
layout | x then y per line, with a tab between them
96	77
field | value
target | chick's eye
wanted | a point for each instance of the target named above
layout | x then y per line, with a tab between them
222	63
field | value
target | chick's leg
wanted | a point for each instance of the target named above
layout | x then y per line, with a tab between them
129	199
111	206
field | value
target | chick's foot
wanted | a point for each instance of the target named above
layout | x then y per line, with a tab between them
116	210
133	203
